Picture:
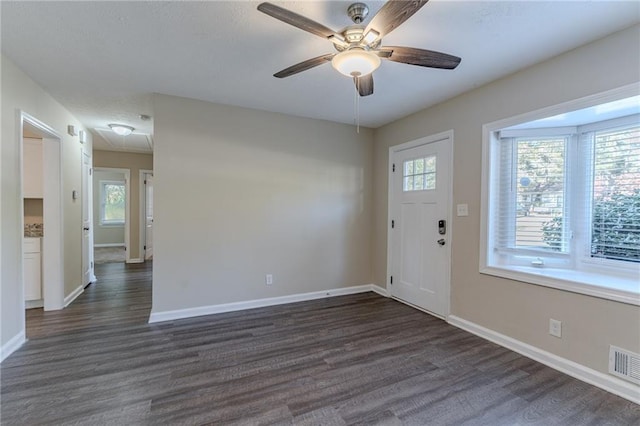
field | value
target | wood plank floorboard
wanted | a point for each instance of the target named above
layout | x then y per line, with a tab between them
352	360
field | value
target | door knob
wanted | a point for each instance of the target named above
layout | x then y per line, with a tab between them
86	228
441	241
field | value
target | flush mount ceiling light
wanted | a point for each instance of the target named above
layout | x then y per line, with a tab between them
355	62
121	129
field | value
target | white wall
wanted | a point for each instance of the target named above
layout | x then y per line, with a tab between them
516	309
19	92
241	193
109	234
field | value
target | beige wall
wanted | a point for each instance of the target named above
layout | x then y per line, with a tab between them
135	163
241	193
19	92
111	234
518	310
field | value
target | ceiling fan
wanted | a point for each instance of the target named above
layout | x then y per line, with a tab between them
359	47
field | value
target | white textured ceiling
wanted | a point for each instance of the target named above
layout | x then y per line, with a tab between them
102	60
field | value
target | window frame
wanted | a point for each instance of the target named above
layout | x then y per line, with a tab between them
105	222
575	271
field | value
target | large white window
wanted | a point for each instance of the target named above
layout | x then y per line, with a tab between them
112	202
561	200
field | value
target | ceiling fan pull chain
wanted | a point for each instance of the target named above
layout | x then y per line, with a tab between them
356	106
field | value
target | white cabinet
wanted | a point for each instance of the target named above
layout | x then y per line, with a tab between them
32	265
32	168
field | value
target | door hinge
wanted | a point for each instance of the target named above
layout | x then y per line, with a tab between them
145	247
145	181
391	279
393	169
393	224
90	171
91	264
125	248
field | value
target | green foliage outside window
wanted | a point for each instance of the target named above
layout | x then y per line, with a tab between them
615	228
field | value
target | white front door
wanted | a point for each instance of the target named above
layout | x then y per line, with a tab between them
148	243
86	219
420	186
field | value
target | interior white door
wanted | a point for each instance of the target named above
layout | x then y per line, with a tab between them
420	255
148	243
86	219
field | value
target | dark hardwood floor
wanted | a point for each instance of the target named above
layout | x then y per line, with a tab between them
361	359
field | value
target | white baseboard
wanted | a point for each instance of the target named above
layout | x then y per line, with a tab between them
31	304
259	303
108	245
73	295
381	291
12	345
137	260
603	381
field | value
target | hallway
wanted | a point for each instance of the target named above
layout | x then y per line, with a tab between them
121	297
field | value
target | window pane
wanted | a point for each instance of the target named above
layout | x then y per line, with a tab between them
418	182
408	183
113	198
430	181
408	168
420	174
540	181
419	166
616	195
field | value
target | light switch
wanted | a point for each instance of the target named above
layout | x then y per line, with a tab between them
463	209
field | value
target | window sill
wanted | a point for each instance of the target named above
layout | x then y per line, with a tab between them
619	289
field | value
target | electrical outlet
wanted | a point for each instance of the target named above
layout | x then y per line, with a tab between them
268	279
555	327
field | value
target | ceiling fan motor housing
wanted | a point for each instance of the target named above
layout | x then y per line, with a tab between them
358	12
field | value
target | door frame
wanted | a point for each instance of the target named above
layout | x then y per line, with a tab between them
89	200
143	213
448	135
127	210
53	242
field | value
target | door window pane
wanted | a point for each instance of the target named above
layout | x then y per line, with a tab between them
419	174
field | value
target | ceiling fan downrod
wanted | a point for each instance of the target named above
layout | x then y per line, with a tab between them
358	12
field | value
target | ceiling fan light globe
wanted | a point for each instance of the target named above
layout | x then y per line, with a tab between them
355	62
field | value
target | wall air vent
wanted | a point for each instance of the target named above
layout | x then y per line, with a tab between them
624	364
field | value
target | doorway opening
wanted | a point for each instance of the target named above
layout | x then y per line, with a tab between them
111	210
41	215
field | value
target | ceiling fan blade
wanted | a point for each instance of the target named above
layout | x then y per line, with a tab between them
296	20
304	65
384	54
421	57
393	14
364	84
